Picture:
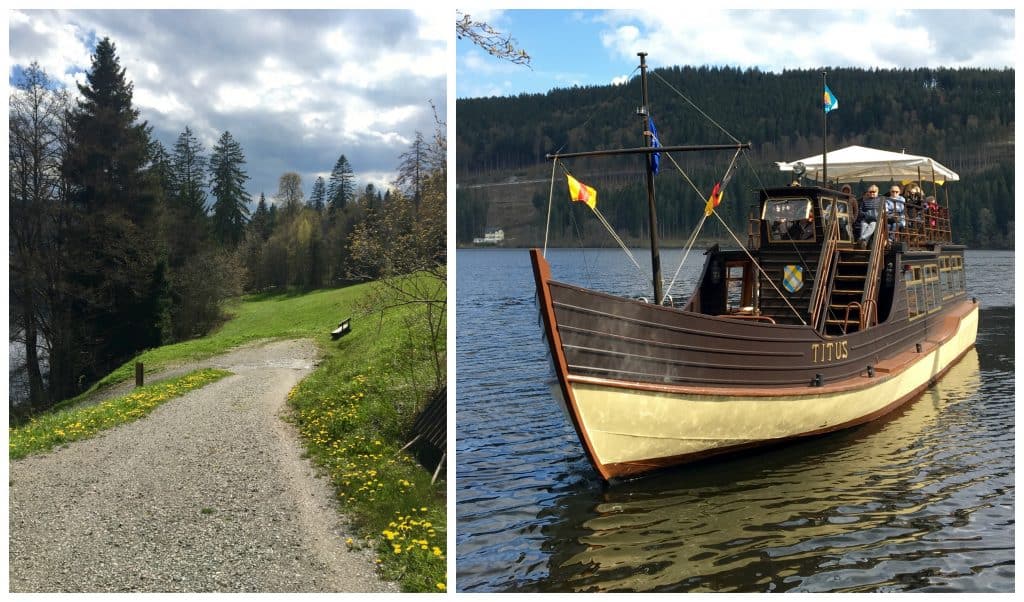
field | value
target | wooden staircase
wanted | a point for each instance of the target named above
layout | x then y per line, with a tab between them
846	301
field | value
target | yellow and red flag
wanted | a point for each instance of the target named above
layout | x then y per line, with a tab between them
579	191
714	199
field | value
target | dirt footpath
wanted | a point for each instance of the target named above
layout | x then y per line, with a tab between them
209	493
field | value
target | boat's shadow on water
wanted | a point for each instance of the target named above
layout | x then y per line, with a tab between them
875	508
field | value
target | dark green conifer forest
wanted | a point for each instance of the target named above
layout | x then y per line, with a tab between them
964	118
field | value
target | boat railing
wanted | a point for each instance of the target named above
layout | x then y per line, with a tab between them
825	273
846	318
925	224
870	297
869	317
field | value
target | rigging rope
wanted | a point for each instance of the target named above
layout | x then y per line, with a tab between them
604	222
694	105
693	237
759	268
725	181
689	245
551	196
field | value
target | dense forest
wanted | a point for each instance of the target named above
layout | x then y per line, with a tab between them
964	118
118	244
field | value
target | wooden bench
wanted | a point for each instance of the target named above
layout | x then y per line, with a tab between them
344	327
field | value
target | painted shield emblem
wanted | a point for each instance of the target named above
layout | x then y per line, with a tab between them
792	278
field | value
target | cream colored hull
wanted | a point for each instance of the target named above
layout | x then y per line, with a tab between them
670	424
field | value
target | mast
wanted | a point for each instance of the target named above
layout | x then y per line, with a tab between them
652	213
824	135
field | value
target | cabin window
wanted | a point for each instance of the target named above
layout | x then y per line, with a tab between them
932	293
738	289
956	272
945	278
789	220
915	292
842	214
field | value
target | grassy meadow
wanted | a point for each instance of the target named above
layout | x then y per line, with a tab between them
354	413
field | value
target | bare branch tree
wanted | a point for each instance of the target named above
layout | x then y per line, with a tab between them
497	44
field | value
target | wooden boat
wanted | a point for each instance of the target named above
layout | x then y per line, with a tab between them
792	335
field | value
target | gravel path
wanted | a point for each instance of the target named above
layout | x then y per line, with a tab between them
209	493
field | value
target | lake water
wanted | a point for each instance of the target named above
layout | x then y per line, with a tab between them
921	500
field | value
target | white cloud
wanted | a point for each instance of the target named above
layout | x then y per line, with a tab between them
167	103
232	97
295	88
774	40
434	25
56	46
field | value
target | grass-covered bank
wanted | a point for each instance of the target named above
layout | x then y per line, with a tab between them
354	413
46	431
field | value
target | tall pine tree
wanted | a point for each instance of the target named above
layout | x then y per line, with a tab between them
114	272
227	179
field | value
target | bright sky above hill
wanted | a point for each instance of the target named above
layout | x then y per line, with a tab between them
295	88
599	47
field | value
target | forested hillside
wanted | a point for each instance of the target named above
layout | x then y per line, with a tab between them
962	117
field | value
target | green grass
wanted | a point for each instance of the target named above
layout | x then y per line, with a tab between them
354	413
46	431
254	318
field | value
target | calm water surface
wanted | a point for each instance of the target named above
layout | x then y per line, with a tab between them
921	500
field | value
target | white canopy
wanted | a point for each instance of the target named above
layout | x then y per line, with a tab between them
856	163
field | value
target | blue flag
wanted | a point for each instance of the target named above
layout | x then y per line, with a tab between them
831	102
655	143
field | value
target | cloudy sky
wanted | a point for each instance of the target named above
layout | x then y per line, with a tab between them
577	47
296	89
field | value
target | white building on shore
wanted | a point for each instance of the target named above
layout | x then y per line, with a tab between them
493	236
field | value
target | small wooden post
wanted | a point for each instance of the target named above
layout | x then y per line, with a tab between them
138	374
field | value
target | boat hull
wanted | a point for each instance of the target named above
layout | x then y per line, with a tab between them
630	427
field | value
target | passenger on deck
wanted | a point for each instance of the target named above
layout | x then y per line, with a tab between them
931	207
895	209
914	193
915	207
867	216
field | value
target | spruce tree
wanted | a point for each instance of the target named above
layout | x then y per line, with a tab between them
227	179
341	187
318	196
260	223
189	170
